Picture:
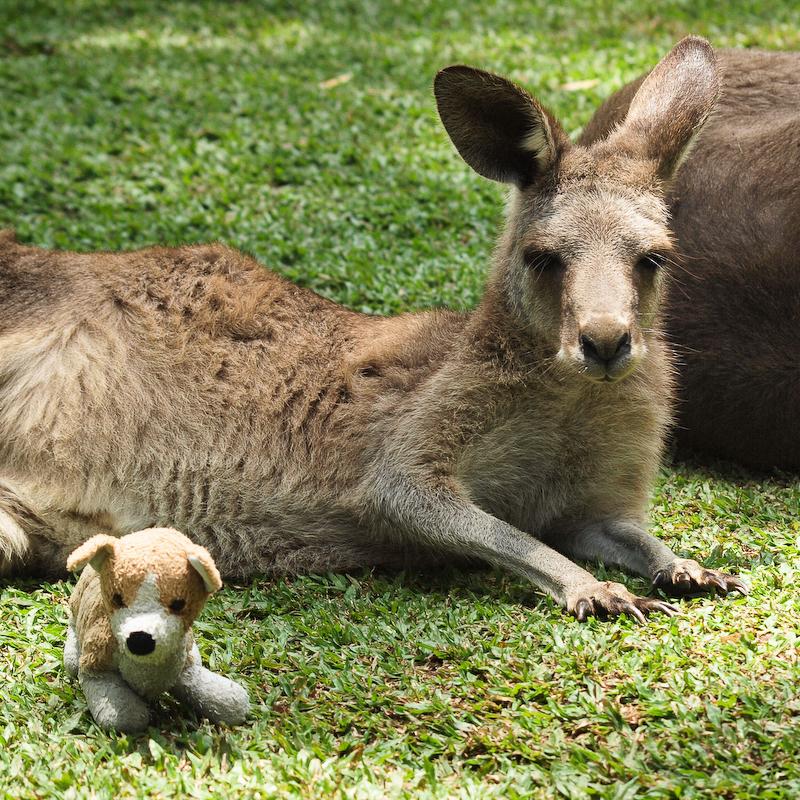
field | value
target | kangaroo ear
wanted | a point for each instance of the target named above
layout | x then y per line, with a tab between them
671	106
204	565
95	551
497	127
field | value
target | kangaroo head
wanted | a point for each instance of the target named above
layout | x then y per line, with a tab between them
580	263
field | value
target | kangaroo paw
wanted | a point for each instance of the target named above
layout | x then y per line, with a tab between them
686	577
606	600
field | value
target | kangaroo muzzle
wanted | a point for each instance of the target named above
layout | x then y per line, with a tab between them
606	347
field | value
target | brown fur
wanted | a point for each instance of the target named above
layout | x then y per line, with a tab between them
734	306
191	387
90	615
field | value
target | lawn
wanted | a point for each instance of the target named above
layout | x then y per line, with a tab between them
305	133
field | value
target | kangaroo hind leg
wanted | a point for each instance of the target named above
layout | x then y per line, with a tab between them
17	523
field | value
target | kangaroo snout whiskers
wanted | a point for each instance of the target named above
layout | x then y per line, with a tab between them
606	351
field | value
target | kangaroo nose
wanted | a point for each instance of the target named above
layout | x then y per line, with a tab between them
604	349
141	643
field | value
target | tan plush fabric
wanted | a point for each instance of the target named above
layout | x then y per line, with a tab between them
90	618
117	569
130	638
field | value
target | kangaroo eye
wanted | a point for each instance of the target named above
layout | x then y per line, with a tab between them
651	261
117	601
177	605
542	260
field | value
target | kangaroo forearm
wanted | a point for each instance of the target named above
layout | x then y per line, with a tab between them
508	548
446	521
617	543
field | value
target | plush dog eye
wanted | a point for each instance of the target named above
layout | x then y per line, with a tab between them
177	605
542	260
651	261
117	601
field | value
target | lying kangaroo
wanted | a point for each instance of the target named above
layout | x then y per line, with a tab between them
734	307
192	388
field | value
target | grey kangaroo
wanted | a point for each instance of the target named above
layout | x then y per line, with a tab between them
192	388
733	306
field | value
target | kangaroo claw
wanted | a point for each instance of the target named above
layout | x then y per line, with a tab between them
606	600
686	577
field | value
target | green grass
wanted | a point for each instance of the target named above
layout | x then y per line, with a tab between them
122	124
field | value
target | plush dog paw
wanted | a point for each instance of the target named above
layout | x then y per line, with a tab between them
213	696
113	704
607	599
686	577
129	720
237	705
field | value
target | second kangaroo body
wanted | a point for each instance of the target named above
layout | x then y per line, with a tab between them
192	388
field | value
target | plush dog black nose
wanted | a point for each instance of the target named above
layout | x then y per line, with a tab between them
141	643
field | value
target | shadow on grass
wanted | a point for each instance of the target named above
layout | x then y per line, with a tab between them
730	472
461	579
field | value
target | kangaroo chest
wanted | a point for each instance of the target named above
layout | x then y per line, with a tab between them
534	469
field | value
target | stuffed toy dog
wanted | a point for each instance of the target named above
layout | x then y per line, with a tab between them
129	636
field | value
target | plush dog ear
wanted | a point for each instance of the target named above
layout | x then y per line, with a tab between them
204	565
95	551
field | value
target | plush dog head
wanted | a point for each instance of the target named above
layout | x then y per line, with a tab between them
153	584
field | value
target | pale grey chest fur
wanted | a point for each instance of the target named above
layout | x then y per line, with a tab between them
539	468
